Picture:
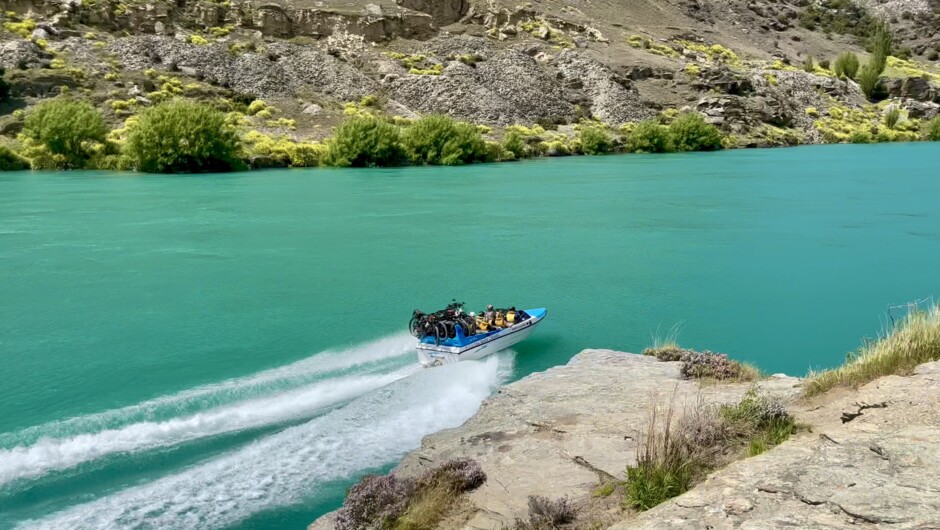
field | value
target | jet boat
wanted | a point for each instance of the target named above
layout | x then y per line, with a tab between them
456	336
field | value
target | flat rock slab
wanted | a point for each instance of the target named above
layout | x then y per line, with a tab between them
874	463
564	431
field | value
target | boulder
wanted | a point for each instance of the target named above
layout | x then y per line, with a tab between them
21	53
916	88
724	80
924	110
561	432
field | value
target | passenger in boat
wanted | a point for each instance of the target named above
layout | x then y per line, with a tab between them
489	316
510	316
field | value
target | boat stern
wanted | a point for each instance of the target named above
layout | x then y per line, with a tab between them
433	357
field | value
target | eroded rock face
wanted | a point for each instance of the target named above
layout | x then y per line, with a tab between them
507	88
374	24
272	18
21	54
284	68
916	88
442	11
612	98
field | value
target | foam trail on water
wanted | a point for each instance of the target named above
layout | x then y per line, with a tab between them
284	468
192	400
52	454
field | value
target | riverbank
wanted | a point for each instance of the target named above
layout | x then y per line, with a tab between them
531	79
862	456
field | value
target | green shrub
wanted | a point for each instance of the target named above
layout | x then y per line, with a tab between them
666	465
364	141
180	136
67	129
932	130
678	450
257	106
23	29
264	151
439	140
846	65
112	162
10	161
868	79
595	141
514	143
860	137
760	421
650	137
892	116
689	132
881	47
809	65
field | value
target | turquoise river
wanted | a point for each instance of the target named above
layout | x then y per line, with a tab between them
229	351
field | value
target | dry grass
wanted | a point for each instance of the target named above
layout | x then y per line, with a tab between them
678	451
428	508
706	366
547	514
912	341
395	503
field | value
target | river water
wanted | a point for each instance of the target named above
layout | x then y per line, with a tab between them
229	350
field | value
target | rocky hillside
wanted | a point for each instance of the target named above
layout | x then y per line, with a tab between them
742	63
863	458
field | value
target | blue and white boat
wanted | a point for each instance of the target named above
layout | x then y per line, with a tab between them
434	352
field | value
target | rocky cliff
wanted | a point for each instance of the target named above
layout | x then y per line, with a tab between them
740	62
864	459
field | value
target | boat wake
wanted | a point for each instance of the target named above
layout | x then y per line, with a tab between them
293	392
372	430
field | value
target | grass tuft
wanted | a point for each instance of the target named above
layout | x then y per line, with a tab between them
395	503
546	514
680	450
912	341
704	365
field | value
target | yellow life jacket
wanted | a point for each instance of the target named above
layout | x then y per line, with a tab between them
511	317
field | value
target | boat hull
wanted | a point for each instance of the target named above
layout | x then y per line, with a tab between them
434	355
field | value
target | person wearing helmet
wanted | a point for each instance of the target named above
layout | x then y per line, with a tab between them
490	315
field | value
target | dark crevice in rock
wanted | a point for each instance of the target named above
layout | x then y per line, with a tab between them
848	415
868	518
810	502
880	451
601	474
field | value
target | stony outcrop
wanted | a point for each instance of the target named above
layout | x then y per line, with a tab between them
22	54
506	88
871	461
610	98
499	62
282	69
916	88
442	11
869	458
564	431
